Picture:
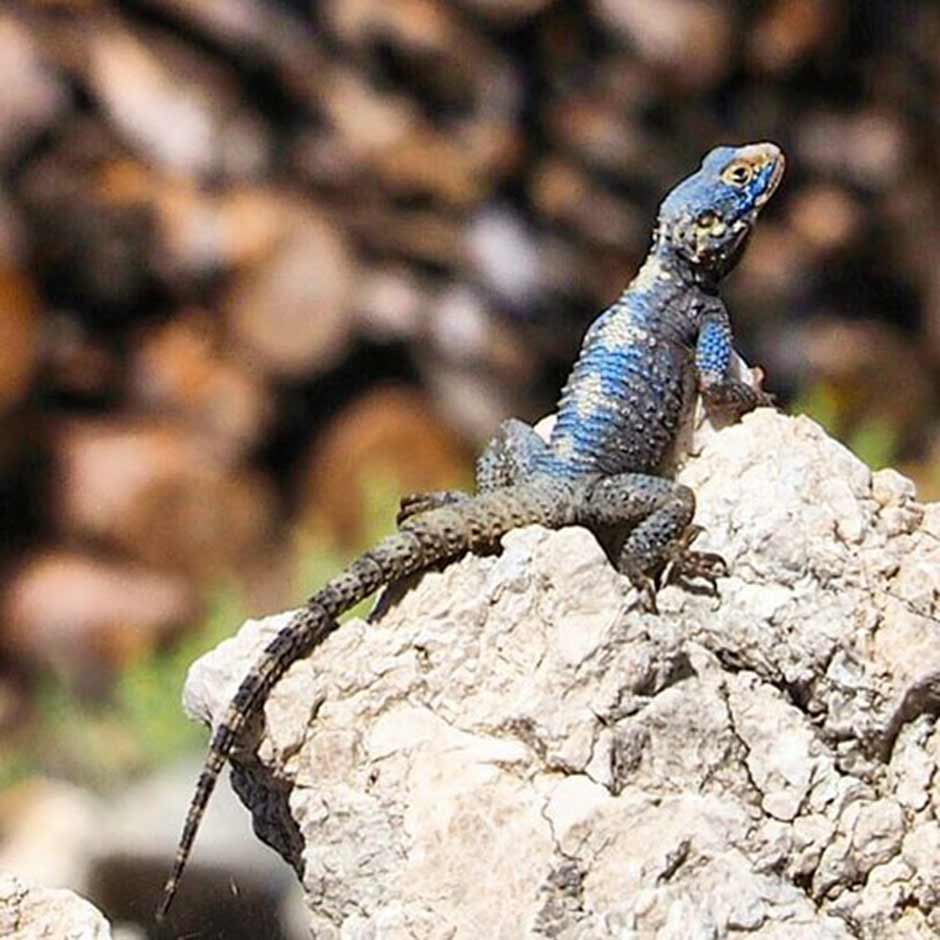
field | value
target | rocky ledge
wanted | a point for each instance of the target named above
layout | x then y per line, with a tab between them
513	749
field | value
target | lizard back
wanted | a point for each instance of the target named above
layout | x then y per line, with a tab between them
623	401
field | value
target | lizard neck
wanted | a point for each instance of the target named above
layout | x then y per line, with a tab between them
666	256
665	296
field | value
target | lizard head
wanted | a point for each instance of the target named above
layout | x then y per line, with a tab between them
708	217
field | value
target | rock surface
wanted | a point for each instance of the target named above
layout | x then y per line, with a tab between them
514	749
29	913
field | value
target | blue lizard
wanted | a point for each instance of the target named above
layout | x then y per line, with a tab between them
604	466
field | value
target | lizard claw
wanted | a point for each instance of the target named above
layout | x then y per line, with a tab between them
709	566
680	565
685	564
645	585
765	399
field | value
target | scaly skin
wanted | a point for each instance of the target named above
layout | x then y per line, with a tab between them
603	467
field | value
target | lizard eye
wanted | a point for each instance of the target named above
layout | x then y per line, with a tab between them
737	174
706	219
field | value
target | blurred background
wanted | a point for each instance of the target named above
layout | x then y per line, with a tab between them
265	264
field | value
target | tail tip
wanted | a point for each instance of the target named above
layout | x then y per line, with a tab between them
163	908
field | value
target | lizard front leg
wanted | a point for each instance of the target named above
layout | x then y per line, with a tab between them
511	457
719	388
656	515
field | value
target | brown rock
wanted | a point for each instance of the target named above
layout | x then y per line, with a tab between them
453	62
416	25
874	146
148	85
76	361
420	235
422	25
259	31
773	268
97	248
504	254
425	162
469	398
567	194
75	613
366	120
180	369
826	217
200	232
390	303
12	234
789	31
453	72
466	331
496	147
290	311
390	435
16	703
157	492
931	280
249	222
33	97
210	525
478	366
506	12
585	281
321	158
19	335
597	129
671	34
558	186
378	139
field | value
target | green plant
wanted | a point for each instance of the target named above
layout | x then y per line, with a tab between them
872	439
140	723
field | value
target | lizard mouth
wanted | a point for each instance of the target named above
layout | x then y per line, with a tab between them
773	155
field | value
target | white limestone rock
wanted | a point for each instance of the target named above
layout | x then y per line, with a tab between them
514	749
31	913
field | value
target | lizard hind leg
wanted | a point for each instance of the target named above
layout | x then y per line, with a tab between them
509	458
512	456
656	515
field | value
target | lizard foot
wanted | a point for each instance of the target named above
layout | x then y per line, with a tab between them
706	565
685	564
765	399
731	399
646	586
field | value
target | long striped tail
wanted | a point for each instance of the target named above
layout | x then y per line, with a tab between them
299	636
435	536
